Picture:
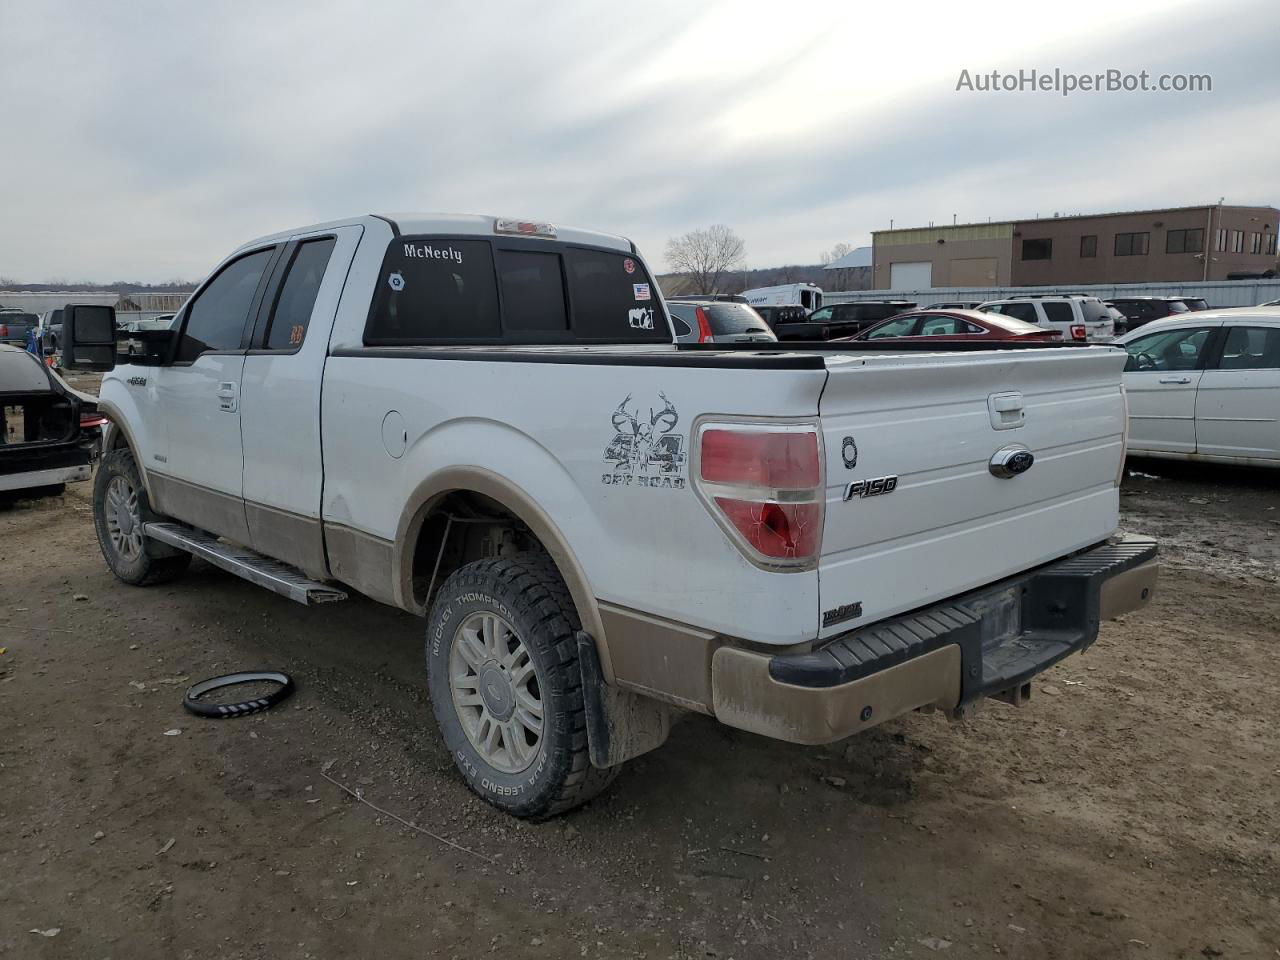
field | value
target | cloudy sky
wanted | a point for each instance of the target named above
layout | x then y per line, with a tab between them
146	140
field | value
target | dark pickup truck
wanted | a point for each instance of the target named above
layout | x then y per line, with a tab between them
14	325
840	319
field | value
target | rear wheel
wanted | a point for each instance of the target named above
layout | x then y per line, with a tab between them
506	688
120	508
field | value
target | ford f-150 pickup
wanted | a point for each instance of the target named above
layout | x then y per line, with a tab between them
487	423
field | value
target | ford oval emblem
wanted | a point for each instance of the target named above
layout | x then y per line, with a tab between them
1010	461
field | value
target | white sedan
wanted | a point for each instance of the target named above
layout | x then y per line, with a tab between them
1206	386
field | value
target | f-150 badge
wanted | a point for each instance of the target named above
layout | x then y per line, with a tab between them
645	452
870	488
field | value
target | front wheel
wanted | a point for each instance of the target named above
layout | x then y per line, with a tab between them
506	688
120	508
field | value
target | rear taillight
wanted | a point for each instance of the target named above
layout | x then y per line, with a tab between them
88	420
704	326
4	330
764	485
1078	332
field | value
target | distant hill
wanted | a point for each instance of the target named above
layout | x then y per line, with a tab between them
857	278
123	286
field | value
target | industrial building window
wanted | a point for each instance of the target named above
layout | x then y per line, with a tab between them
1237	241
1089	245
1220	240
1037	249
1184	241
1132	244
1255	243
1271	244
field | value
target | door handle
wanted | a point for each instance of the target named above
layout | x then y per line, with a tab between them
1175	379
227	396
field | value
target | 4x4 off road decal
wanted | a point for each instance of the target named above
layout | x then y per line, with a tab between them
646	452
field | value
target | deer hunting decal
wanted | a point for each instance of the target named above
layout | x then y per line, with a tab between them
645	450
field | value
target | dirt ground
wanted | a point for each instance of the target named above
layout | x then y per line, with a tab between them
1130	810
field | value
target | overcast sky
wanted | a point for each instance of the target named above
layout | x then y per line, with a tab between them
146	140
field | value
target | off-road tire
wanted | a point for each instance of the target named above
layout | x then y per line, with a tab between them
528	593
157	562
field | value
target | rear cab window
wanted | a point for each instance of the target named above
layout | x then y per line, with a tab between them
478	290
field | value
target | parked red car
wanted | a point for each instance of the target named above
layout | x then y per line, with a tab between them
967	325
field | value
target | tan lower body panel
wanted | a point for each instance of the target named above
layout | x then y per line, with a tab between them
658	658
218	513
361	561
288	537
1128	591
745	696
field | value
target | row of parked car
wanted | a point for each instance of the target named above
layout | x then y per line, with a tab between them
1202	384
1074	317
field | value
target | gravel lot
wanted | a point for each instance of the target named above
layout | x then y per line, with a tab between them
1130	810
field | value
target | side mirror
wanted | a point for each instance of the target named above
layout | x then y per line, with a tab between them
88	337
148	348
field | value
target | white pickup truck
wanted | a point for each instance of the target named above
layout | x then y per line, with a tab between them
486	423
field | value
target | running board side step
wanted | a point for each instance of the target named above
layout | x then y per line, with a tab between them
243	562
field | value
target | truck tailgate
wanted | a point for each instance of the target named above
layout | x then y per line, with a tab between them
947	524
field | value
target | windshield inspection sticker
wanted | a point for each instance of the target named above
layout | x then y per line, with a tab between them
396	282
645	452
641	318
629	265
641	290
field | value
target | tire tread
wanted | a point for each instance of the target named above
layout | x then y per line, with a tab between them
534	579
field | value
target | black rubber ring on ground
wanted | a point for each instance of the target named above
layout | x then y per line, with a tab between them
221	711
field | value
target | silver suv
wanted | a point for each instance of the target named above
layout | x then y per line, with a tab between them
715	321
1077	317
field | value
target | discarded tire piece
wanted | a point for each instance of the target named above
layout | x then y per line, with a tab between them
220	711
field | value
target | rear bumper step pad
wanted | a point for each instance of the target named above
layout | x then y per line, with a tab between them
1006	633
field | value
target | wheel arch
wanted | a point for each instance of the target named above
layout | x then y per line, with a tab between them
120	436
431	493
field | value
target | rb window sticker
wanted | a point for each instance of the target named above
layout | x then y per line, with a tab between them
641	291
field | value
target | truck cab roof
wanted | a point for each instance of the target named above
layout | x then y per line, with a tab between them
459	224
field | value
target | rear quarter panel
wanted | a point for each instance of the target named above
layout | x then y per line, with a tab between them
560	433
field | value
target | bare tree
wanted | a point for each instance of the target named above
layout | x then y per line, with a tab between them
706	255
836	252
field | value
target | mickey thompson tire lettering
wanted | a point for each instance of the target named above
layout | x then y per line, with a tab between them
526	591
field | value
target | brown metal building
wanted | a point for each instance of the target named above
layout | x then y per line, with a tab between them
1176	244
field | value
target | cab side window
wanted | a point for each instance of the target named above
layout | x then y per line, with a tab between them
1168	350
216	318
1251	348
897	327
1021	311
1057	313
292	312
